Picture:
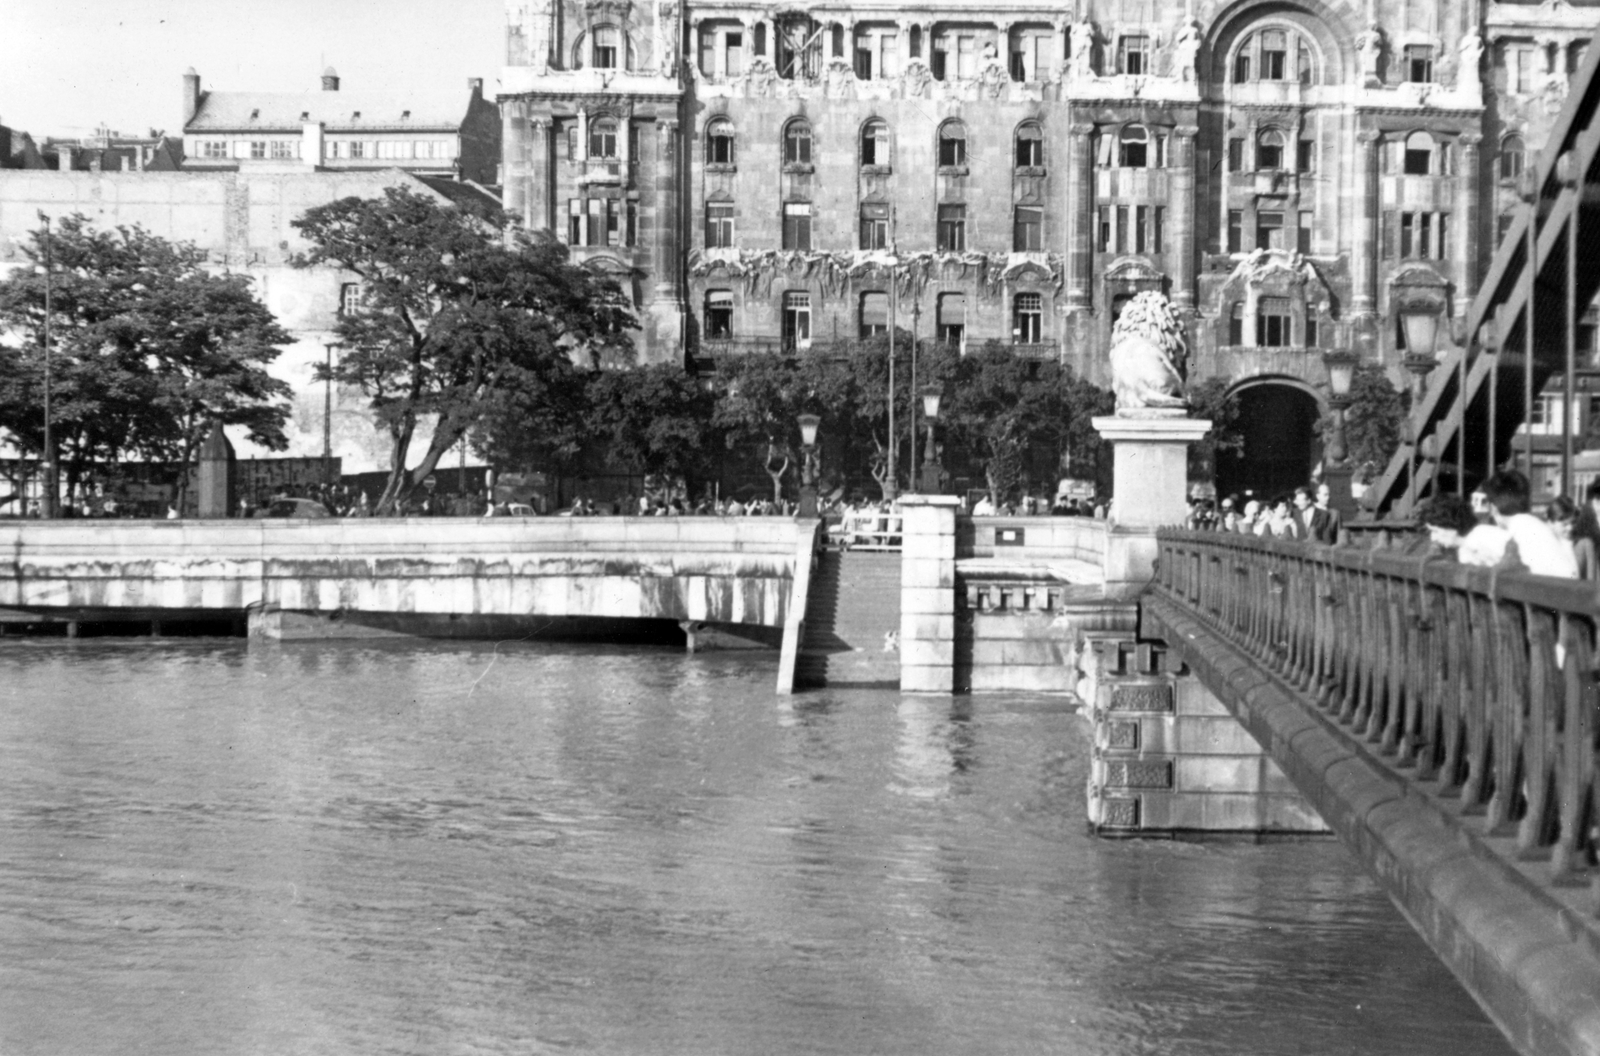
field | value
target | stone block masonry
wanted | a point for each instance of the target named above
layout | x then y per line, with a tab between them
1168	759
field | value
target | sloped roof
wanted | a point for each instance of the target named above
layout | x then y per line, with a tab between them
339	111
460	191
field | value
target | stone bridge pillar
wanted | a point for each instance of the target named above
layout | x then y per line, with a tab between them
1168	758
1149	490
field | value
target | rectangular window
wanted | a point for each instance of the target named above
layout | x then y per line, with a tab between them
1030	147
605	48
950	319
1235	231
214	148
966	57
1521	68
733	54
952	228
1441	249
708	51
574	221
614	222
1386	250
1133	55
719	314
1424	243
1105	229
1157	238
1419	63
633	222
1268	229
796	322
258	148
1311	329
1303	239
1141	227
1236	155
797	225
1305	159
351	297
952	147
1272	322
285	148
874	225
719	224
863	61
597	222
360	148
936	61
1274	54
1027	233
874	314
1027	324
1122	229
1236	324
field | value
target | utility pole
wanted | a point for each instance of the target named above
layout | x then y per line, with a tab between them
49	506
891	489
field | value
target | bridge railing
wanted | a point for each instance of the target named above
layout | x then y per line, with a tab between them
1481	684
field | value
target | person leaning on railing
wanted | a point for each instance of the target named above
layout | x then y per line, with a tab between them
1541	549
1565	520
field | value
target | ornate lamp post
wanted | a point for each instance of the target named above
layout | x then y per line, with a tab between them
1421	325
931	470
1341	364
808	464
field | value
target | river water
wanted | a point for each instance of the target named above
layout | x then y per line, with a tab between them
438	848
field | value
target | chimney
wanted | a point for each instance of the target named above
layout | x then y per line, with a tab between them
475	86
191	95
330	80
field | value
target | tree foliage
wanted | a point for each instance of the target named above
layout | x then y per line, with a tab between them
148	349
1375	419
465	319
1210	400
655	420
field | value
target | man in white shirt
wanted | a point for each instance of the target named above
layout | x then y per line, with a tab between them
1541	550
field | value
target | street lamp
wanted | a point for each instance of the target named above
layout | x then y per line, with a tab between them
48	508
1341	364
808	464
931	470
1421	326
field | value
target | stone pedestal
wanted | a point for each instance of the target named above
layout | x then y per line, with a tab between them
928	593
1150	490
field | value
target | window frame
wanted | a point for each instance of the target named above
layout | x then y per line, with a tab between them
1027	319
719	224
797	138
797	227
951	227
720	140
953	134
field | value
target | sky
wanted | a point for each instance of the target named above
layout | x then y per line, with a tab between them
72	65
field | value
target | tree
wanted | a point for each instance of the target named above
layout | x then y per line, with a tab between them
1211	401
464	315
1001	405
1375	419
761	399
654	420
149	349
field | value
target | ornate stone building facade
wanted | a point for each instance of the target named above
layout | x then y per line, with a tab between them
1293	174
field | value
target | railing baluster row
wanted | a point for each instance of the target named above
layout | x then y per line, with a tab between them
1480	686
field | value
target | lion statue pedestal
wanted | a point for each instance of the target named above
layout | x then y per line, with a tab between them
1150	435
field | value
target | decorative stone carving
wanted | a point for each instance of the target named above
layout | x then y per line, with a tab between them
1185	51
1148	355
1082	43
918	80
1370	44
1146	773
1141	696
1470	58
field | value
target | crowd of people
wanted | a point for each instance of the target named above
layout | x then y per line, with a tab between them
1304	513
1496	528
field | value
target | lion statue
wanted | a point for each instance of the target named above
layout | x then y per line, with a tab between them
1148	353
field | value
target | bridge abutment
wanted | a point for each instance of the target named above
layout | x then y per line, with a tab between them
1168	758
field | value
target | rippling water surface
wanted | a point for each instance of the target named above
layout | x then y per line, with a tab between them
445	848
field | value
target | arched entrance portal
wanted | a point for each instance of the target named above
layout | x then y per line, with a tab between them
1278	424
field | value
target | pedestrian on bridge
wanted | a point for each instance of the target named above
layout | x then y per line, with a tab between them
1544	552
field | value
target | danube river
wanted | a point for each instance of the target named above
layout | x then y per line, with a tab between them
438	848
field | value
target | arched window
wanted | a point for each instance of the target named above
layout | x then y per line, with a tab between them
605	49
1133	147
603	137
952	143
1269	149
1513	156
719	142
1420	155
797	143
1030	146
875	143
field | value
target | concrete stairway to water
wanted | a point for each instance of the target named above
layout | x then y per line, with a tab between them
852	622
